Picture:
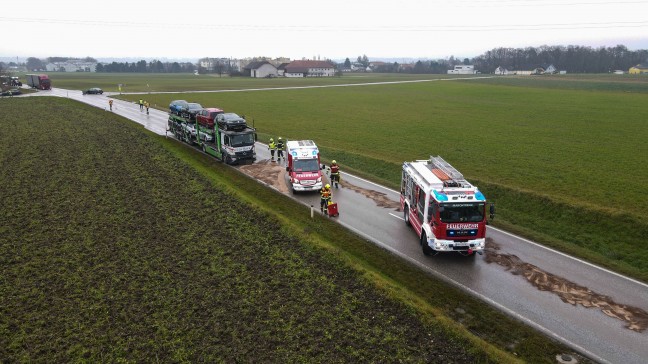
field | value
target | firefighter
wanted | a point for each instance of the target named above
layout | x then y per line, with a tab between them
272	146
110	102
325	198
280	149
141	104
335	173
146	105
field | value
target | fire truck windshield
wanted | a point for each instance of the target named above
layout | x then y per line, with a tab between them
306	165
462	212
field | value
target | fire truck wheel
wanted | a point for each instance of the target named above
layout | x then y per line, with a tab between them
406	216
426	249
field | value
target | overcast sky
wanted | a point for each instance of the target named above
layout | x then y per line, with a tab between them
333	29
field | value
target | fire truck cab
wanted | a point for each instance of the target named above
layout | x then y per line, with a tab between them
446	211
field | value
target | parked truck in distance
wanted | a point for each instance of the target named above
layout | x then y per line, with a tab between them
303	165
446	211
41	82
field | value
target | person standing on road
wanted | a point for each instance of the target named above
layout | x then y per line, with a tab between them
110	102
280	149
272	146
141	104
325	197
335	173
146	105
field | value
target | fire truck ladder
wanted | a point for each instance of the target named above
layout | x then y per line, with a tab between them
455	178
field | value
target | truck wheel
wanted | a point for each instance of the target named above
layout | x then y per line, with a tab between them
427	251
406	216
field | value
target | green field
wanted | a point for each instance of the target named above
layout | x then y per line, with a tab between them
564	164
117	245
139	82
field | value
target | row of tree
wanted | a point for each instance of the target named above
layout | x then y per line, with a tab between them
142	66
573	59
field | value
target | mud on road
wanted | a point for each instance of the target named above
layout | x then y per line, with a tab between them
379	198
636	319
271	173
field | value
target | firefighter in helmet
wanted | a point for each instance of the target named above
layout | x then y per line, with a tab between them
280	149
272	146
325	198
335	173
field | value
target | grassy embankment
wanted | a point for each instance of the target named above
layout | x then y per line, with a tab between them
566	167
119	245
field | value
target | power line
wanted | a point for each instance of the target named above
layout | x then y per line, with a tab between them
314	28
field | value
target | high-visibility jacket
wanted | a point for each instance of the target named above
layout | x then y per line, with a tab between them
335	169
141	102
280	145
325	192
272	145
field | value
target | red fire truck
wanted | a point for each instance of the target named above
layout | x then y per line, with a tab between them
445	210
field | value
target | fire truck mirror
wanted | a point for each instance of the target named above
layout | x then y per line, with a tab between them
492	211
287	169
255	137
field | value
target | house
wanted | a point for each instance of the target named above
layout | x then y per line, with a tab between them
550	69
462	70
260	69
502	71
309	69
638	69
281	69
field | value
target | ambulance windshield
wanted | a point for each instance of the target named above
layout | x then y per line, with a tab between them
306	165
462	212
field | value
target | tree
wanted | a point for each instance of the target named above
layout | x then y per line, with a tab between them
466	61
347	63
34	64
100	68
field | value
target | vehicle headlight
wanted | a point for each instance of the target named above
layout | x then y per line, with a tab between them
319	179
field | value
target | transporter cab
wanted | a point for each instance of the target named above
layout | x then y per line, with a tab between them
445	210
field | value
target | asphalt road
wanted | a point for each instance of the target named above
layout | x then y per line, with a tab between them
598	313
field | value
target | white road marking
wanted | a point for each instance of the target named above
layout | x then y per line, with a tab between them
396	216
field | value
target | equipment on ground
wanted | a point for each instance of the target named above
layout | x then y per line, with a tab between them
446	211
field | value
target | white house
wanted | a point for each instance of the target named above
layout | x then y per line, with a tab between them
462	70
502	71
260	69
309	69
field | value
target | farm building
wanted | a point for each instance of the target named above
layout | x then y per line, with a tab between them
462	70
71	66
638	69
309	69
260	69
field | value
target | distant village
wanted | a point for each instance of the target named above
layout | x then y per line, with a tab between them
499	61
